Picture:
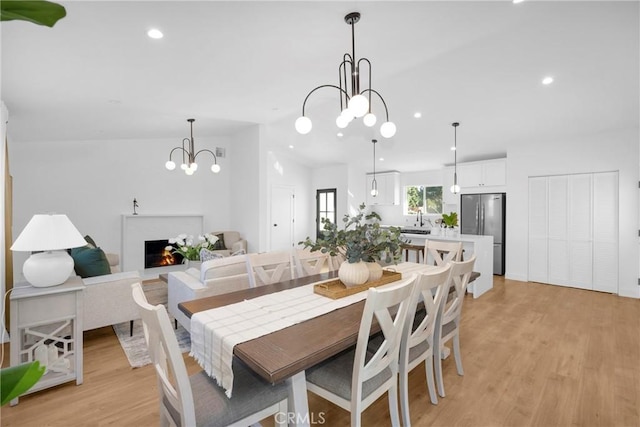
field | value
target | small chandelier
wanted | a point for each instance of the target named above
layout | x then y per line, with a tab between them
189	165
353	102
374	183
455	188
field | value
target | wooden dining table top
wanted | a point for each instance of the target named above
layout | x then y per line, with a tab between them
281	354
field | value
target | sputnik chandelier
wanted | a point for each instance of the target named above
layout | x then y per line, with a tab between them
354	102
189	165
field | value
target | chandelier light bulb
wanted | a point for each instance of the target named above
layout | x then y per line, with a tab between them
215	168
359	105
342	121
347	114
388	129
374	192
303	125
455	188
369	119
170	165
189	171
193	166
183	166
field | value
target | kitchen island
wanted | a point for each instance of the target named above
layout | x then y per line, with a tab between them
481	246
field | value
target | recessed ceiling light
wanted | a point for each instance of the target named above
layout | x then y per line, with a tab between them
517	1
340	134
453	148
547	80
381	159
154	33
291	146
417	114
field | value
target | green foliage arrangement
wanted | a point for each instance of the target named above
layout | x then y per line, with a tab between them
450	220
361	239
36	11
16	380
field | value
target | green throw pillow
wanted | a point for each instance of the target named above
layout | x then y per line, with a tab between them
90	262
219	245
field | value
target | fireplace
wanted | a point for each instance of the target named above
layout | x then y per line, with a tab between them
156	254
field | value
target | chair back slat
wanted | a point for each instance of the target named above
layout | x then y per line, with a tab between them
439	253
270	267
452	305
389	307
174	386
309	263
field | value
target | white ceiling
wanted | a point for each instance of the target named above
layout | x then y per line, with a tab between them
97	76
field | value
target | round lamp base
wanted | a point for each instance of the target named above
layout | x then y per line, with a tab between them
48	268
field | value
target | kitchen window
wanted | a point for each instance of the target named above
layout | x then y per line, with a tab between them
420	198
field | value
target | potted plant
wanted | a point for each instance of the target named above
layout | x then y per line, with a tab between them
450	221
187	246
361	241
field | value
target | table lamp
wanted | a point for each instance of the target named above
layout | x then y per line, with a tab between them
49	235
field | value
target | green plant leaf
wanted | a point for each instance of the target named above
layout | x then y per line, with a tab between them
15	380
36	11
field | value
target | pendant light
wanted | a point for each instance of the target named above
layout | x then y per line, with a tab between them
355	99
455	188
374	183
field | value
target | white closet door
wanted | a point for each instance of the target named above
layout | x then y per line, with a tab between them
580	226
538	229
558	223
605	232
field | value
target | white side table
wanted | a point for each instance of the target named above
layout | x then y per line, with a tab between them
48	320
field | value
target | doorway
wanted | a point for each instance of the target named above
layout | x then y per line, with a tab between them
282	217
325	208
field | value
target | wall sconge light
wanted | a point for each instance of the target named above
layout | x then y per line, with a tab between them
49	235
353	102
189	165
455	188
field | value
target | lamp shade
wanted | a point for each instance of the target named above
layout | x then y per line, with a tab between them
48	233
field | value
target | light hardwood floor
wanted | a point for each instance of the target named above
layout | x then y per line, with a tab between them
533	355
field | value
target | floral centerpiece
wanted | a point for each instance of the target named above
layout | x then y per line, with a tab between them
361	241
189	247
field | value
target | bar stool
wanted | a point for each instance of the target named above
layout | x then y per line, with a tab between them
418	249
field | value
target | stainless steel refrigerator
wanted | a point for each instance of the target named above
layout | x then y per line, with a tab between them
484	214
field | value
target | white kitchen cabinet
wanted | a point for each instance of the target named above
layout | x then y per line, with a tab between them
489	173
388	189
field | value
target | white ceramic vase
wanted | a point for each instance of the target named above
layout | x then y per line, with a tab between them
353	274
375	271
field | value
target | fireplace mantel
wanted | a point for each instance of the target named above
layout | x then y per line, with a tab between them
138	228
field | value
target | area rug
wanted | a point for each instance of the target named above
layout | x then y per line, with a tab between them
134	346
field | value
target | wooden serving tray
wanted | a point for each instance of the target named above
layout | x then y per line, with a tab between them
335	289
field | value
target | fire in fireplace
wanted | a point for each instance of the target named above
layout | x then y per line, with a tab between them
156	254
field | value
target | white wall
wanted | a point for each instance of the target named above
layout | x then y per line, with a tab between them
244	193
95	182
616	151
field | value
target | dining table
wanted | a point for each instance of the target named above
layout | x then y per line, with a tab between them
285	354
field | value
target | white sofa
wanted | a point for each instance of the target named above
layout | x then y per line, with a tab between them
108	299
233	242
215	277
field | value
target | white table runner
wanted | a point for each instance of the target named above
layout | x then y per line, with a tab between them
215	332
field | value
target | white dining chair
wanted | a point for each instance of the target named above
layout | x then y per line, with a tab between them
197	400
419	332
448	320
354	379
270	267
437	252
309	263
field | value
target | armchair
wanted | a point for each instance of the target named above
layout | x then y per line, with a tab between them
233	242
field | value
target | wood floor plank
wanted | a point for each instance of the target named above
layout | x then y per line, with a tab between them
533	355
